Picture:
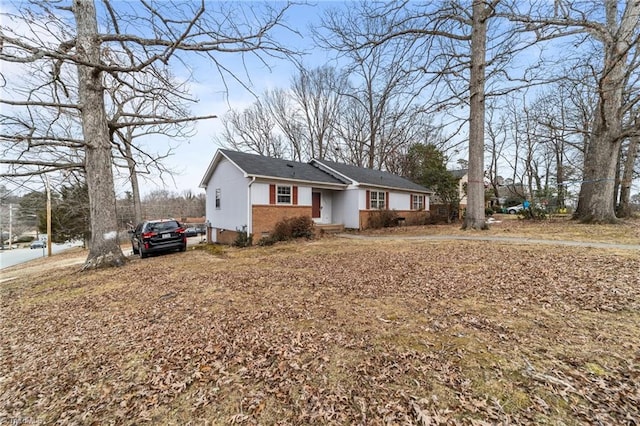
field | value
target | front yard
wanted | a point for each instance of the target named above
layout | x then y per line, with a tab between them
332	331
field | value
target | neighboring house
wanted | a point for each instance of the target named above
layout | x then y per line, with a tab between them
463	177
248	192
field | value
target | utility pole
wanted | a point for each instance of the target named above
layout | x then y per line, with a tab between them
49	239
10	226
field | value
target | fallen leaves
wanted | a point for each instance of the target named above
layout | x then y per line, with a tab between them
329	332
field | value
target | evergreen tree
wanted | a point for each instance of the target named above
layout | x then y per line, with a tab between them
426	165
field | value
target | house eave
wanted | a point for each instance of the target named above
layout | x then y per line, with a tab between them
412	190
302	181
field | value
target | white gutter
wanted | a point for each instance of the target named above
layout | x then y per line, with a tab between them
327	185
250	208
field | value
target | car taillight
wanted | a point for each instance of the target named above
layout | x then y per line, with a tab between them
148	234
180	230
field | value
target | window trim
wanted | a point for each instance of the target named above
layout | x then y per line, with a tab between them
378	200
218	198
417	202
290	195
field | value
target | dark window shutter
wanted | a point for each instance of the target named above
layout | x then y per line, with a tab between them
272	194
410	201
368	206
386	200
295	195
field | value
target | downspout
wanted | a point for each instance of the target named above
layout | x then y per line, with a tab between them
249	208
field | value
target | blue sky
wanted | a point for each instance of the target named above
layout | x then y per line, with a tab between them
192	157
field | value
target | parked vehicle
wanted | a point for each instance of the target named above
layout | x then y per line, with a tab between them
191	232
154	236
514	209
38	244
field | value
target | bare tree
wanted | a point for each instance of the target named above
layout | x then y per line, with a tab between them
386	83
613	26
317	93
63	41
253	130
628	173
138	111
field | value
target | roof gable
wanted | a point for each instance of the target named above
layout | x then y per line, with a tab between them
254	165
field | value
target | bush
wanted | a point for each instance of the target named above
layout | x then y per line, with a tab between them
267	241
25	239
488	212
243	239
533	213
383	219
293	227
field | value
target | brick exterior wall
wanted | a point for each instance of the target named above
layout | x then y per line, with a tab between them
412	217
225	236
265	217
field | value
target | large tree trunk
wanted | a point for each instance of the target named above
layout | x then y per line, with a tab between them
474	218
133	174
596	199
104	247
627	176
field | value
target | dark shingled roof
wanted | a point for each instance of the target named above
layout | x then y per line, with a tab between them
458	173
365	176
260	165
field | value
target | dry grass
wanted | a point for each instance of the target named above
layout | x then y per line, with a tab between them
559	228
330	332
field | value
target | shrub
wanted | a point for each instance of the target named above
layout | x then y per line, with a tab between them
243	239
383	219
25	239
293	227
267	241
488	212
533	213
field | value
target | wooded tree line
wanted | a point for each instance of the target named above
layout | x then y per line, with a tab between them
70	210
541	121
551	89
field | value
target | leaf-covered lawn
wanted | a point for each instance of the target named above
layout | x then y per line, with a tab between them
332	331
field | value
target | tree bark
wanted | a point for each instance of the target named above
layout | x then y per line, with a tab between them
105	247
133	174
596	199
627	177
475	218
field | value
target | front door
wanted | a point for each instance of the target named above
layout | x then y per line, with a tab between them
315	205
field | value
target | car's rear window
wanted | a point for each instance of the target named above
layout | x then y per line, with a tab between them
163	226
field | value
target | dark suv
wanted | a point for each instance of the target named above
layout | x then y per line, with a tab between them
154	236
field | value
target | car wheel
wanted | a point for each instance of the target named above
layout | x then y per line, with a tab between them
135	251
512	212
141	252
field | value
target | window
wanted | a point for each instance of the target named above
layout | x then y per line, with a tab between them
218	195
283	194
417	202
377	200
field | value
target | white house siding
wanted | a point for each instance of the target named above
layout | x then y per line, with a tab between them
304	195
260	193
350	204
232	213
399	201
